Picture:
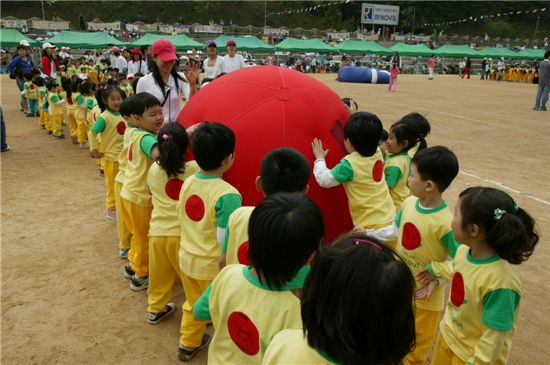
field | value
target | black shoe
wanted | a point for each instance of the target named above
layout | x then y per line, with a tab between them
186	354
61	136
138	283
128	272
155	318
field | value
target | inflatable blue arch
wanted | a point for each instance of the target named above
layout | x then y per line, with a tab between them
363	75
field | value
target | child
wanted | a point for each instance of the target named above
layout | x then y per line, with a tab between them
421	124
110	125
41	90
343	324
70	107
480	318
165	179
248	305
55	108
205	204
401	138
394	72
425	235
351	105
282	170
135	196
383	145
71	69
30	92
124	85
362	174
83	100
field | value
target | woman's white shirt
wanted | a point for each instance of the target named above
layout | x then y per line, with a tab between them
211	72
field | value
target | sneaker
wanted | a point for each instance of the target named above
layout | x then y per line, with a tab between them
30	115
536	109
83	146
543	109
123	253
49	132
75	141
101	173
155	318
111	214
128	272
61	136
186	353
138	283
6	149
43	126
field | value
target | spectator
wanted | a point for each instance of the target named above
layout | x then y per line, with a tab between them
232	61
5	146
20	65
212	65
544	83
50	60
137	64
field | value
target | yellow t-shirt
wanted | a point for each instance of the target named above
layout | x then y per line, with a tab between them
425	235
71	104
244	328
52	108
396	171
369	199
205	203
123	155
483	302
135	187
165	194
41	95
31	90
111	126
290	347
236	242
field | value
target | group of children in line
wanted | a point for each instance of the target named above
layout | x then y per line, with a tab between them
275	292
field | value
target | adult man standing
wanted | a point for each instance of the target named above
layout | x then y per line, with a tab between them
544	83
232	61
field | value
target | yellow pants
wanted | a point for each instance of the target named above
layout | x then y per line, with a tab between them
71	122
443	355
124	235
56	124
81	130
45	120
137	220
41	120
192	329
164	269
426	326
110	170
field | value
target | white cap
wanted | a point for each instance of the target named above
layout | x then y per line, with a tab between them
63	48
131	76
25	43
47	45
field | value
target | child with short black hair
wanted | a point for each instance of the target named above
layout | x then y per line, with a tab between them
361	172
425	235
55	108
41	91
165	179
282	170
137	206
30	92
205	204
402	137
480	319
248	305
351	316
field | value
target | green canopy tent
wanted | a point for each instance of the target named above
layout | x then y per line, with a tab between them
304	45
181	41
449	50
361	47
71	39
250	43
494	52
530	54
411	49
12	37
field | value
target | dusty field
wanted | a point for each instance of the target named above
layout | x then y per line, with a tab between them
64	299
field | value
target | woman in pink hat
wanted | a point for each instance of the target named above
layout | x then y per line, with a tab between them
137	65
168	85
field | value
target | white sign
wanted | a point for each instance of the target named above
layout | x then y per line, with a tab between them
379	14
339	36
97	26
52	25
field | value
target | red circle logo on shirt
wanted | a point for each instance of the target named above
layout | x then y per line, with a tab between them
242	254
411	237
173	188
130	155
243	333
31	86
121	127
194	207
457	290
378	171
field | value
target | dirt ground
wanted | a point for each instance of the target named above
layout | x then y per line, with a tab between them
64	299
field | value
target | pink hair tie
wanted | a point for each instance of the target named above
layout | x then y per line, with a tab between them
166	137
375	245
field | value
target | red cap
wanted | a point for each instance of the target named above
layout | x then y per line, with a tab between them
165	50
136	50
231	42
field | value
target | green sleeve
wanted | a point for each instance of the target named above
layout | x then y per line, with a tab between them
201	309
26	88
147	143
393	174
90	103
449	241
499	309
99	125
225	241
342	172
79	100
55	98
398	218
226	205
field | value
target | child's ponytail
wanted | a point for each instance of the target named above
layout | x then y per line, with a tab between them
172	144
408	132
509	229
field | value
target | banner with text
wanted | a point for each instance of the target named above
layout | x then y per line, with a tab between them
379	14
